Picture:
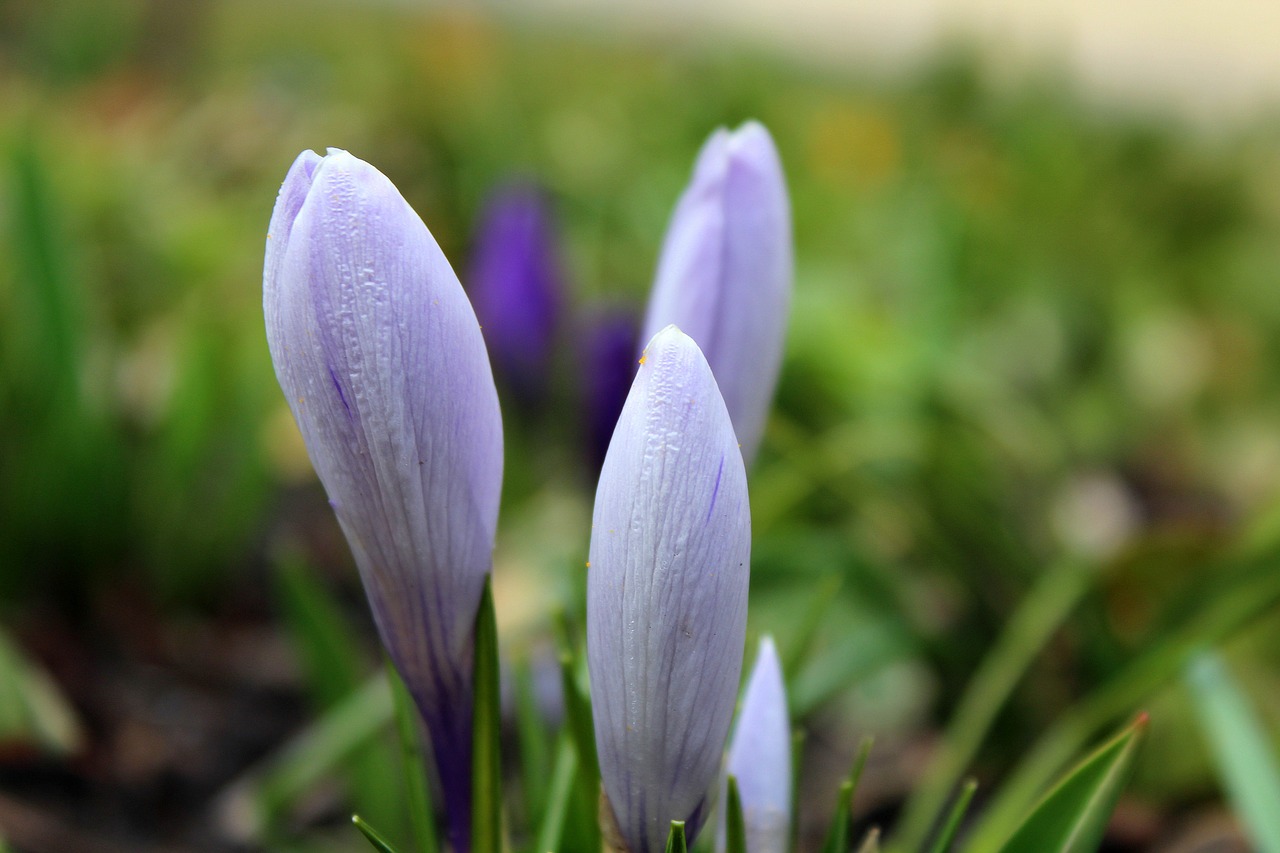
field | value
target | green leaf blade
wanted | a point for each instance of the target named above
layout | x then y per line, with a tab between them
1072	817
1243	753
486	756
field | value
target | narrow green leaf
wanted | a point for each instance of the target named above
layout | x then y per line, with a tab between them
559	797
823	598
486	757
534	743
251	802
379	843
838	835
735	830
32	708
797	750
949	829
327	646
675	838
1032	625
1244	754
422	817
1072	817
581	730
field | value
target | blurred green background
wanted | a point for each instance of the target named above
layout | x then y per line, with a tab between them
1024	333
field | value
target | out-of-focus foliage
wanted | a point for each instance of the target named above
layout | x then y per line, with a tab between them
1021	331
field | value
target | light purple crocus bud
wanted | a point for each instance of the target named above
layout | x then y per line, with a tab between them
725	273
667	595
760	755
515	283
380	357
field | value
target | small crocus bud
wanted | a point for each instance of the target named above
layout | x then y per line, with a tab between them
380	357
725	273
667	595
760	755
515	285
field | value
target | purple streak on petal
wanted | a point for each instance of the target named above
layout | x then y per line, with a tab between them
607	355
515	282
381	360
760	755
725	273
667	594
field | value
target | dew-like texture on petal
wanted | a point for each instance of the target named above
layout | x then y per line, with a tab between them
382	362
724	276
667	594
760	755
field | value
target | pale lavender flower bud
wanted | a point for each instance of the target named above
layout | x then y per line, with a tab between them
515	283
760	755
725	273
380	357
667	594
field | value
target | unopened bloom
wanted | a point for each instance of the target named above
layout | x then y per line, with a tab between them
380	357
606	352
515	284
760	755
667	594
725	273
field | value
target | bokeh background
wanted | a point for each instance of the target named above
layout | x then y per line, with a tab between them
1035	325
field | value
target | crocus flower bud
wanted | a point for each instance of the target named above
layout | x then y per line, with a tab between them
380	357
725	273
760	755
606	353
515	284
667	595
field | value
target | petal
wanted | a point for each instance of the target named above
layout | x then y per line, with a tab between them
667	594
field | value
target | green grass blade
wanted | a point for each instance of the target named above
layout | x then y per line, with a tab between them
559	797
1072	817
675	838
333	669
837	840
581	730
1245	756
1036	620
422	819
535	744
32	708
870	841
735	827
379	843
486	757
947	835
254	800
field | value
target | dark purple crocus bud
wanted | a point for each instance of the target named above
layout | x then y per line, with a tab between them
607	350
515	284
381	360
667	595
725	273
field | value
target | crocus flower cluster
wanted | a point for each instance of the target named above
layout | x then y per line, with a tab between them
382	361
